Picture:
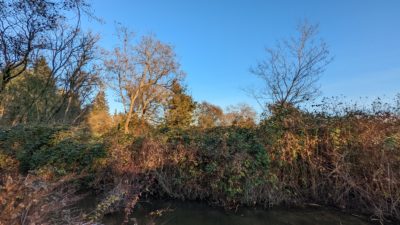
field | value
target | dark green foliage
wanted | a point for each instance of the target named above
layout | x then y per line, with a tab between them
239	159
30	97
61	148
227	164
34	98
67	155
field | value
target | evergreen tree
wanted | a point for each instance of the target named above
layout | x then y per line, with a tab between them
28	98
99	119
100	102
180	107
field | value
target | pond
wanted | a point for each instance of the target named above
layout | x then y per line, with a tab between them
194	213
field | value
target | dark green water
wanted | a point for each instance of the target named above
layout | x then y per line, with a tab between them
192	213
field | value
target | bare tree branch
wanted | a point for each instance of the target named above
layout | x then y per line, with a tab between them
292	69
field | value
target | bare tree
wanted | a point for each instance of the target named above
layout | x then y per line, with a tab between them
70	54
208	115
76	77
143	74
41	29
291	70
24	28
242	115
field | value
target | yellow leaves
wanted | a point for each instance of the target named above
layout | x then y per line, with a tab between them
99	122
7	163
99	163
290	146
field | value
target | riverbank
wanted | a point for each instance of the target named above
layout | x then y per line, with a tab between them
291	159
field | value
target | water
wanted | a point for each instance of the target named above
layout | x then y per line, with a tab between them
192	213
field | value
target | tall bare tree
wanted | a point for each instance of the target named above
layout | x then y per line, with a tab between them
143	74
292	68
73	69
70	55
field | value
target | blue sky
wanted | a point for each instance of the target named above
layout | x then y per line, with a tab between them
217	41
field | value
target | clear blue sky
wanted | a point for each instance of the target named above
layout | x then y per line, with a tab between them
218	40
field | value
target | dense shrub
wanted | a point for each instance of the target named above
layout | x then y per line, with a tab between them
62	149
350	160
222	165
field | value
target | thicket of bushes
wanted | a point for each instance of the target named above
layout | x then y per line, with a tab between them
222	165
350	161
42	169
61	149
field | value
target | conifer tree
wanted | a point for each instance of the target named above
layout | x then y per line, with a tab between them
180	107
99	119
28	98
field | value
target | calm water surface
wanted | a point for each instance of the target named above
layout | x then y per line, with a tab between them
192	213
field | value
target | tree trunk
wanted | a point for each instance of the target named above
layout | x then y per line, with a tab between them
130	112
133	99
67	109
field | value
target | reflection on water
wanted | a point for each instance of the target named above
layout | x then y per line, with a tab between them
190	213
